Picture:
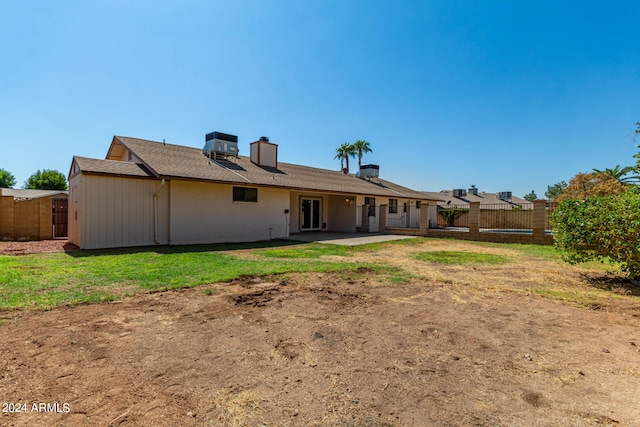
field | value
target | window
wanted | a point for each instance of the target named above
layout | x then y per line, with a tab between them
418	203
393	206
244	194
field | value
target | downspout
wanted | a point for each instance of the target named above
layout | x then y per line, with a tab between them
155	212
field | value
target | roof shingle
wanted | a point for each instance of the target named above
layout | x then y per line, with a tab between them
175	161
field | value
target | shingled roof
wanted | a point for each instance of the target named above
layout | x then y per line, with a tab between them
484	198
169	161
111	167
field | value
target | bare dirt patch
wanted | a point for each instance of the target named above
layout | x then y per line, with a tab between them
20	248
323	349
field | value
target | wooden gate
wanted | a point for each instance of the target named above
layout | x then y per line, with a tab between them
60	217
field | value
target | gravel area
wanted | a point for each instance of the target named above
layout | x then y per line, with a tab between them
19	248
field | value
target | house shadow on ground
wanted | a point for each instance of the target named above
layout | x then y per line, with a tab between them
177	249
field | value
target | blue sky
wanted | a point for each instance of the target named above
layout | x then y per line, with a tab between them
507	95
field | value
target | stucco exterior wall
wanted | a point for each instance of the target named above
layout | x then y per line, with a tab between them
342	214
206	213
296	207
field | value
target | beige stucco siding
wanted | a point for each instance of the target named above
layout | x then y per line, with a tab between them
206	213
342	214
107	212
296	200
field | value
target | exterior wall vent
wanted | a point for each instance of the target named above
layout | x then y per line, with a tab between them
220	143
264	153
459	192
369	171
504	195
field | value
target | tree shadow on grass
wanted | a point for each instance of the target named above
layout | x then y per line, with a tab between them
614	284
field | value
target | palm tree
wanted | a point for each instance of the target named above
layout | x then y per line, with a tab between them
343	152
361	146
618	174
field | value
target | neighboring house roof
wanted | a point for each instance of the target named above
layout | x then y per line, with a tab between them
30	194
482	197
160	160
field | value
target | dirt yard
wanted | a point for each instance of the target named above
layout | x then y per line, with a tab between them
330	350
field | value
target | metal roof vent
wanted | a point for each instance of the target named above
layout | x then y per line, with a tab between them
369	171
218	143
504	195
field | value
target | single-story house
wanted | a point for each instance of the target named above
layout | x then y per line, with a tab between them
154	193
457	197
32	214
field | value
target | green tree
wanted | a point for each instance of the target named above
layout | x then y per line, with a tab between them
601	228
619	174
531	196
46	180
555	190
7	180
343	153
361	147
636	156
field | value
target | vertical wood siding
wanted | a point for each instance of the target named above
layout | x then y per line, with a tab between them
118	212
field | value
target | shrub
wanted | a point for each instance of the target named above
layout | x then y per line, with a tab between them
600	228
451	214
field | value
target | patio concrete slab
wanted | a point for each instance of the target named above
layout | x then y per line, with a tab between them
346	239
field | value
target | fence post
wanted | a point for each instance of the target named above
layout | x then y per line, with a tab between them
384	211
539	220
425	212
474	218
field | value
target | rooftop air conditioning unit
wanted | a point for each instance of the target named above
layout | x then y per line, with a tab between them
473	190
369	171
459	192
504	195
220	143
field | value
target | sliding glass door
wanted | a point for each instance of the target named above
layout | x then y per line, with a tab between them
311	214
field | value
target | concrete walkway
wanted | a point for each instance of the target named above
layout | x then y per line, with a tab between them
346	239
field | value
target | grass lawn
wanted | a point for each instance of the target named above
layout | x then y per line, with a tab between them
50	279
459	257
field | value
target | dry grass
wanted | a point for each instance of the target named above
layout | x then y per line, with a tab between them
239	408
549	277
526	271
